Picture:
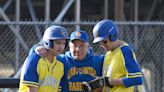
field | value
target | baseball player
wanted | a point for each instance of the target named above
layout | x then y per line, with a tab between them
80	64
44	75
120	69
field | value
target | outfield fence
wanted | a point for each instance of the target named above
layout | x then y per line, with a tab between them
147	38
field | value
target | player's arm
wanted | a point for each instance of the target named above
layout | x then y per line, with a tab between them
61	85
134	76
41	50
32	89
29	74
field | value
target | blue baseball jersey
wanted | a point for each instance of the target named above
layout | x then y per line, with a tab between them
76	72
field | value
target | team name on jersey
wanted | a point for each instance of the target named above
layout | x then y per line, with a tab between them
84	70
75	86
49	81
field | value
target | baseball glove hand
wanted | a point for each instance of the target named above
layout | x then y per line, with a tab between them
96	83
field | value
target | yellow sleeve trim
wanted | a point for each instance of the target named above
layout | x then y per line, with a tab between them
30	83
137	73
134	76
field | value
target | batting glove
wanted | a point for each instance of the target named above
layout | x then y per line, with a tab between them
96	83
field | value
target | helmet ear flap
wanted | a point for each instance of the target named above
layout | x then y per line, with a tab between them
48	44
66	45
113	37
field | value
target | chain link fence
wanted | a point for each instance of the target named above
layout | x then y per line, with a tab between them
146	37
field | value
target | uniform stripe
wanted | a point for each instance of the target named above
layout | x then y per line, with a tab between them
134	76
134	73
30	83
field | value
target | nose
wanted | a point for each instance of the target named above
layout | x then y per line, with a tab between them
77	48
61	47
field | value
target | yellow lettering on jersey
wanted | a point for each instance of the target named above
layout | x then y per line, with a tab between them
72	72
49	81
87	70
75	86
84	70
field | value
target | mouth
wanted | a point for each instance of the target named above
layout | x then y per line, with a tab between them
77	55
58	51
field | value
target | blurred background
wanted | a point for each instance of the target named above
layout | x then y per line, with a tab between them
22	23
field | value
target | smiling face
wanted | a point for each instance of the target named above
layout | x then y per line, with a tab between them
79	49
58	46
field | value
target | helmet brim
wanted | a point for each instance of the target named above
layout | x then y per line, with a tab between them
98	39
79	39
58	38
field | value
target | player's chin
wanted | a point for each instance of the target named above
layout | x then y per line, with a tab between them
107	49
78	58
57	53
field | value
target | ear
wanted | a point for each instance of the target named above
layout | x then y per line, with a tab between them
69	44
88	45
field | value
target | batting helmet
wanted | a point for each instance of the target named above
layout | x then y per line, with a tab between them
103	29
53	33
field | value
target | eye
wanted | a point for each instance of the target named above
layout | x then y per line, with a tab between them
104	42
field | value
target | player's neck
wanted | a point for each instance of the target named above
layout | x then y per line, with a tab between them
117	44
50	57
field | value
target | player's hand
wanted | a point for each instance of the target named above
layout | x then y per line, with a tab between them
86	87
96	83
41	51
98	90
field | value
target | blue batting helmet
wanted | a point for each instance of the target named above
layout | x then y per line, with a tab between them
103	29
54	33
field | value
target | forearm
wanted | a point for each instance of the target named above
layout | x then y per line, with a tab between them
106	81
98	90
32	89
126	81
132	81
116	82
